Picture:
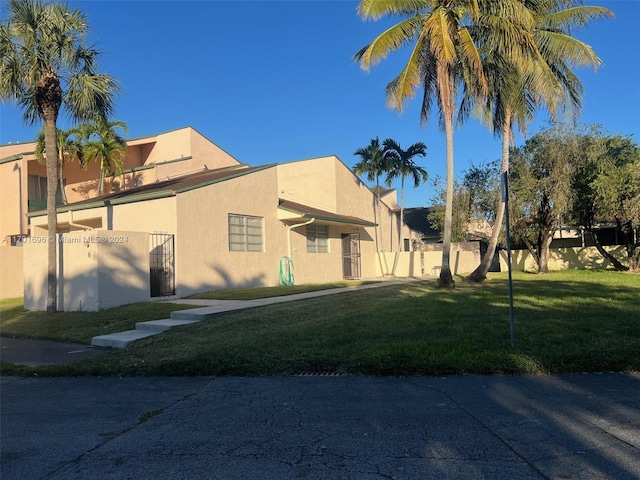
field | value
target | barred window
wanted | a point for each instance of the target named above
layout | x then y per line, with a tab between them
317	239
245	233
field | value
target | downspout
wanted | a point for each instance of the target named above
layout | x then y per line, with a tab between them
289	228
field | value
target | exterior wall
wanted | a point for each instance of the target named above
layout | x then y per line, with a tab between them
327	183
13	199
203	259
310	182
324	267
407	264
96	269
465	257
34	268
149	216
354	198
169	154
11	280
123	269
562	258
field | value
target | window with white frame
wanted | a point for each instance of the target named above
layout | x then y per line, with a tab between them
245	233
317	239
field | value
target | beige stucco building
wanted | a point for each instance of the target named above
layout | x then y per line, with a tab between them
186	217
147	160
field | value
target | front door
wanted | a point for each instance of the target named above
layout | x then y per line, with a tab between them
351	255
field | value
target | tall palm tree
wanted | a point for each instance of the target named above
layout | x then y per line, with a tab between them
517	90
45	66
373	163
444	55
402	165
102	143
68	149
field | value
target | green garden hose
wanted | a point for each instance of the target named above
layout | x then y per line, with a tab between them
286	272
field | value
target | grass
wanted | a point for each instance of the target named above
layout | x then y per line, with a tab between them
267	292
78	327
571	321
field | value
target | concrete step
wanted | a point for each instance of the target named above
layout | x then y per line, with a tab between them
121	339
162	325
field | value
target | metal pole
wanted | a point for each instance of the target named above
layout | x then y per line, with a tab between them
505	199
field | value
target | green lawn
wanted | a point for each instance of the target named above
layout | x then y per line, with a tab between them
267	292
570	321
79	327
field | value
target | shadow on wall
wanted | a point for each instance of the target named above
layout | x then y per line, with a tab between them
96	270
87	189
563	258
220	278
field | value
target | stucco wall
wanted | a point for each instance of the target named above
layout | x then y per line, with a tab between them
12	213
35	274
149	216
465	257
96	269
11	280
562	258
123	268
327	183
309	182
203	259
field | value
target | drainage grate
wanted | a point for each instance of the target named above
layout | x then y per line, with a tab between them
319	373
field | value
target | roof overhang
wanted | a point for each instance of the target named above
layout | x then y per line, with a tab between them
291	213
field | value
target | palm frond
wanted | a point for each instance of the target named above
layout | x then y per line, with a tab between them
387	42
376	9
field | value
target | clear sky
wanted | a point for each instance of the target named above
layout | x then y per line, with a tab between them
274	81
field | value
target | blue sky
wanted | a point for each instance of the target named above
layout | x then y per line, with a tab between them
274	81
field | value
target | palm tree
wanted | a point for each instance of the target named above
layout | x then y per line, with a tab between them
45	66
102	143
373	163
544	78
403	165
444	54
68	149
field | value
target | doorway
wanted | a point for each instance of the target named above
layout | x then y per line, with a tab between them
351	256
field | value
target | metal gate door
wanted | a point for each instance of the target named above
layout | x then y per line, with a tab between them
351	255
161	265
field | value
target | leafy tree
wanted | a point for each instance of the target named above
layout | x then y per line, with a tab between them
45	66
606	188
483	183
445	54
540	187
373	163
474	199
461	211
542	78
68	149
402	165
102	143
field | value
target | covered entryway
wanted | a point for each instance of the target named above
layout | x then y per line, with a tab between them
351	256
161	265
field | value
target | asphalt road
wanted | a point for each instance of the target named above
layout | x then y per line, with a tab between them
497	427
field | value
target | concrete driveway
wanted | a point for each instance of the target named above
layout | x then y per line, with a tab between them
476	427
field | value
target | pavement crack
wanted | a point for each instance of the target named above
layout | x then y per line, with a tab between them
482	424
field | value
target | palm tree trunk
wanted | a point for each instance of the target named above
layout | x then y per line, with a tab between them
379	212
446	97
101	181
52	216
480	273
63	193
400	242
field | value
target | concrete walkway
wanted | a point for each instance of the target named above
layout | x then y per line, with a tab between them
578	427
208	309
